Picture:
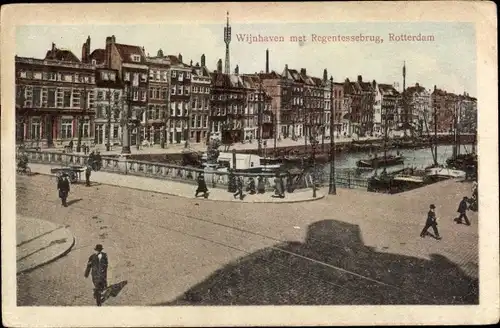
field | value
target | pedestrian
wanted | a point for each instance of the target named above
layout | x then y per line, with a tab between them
239	188
98	266
63	187
251	186
278	187
88	172
431	222
98	160
462	210
261	185
202	186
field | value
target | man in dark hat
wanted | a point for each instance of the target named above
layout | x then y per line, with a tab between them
462	210
431	222
88	172
63	187
98	265
202	186
239	188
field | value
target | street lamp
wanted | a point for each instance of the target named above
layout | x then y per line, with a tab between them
125	121
332	189
314	144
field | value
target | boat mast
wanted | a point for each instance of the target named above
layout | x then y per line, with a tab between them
435	129
455	136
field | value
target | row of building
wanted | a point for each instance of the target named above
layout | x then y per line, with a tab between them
118	92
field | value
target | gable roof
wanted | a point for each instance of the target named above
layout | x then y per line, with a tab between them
226	80
126	51
99	55
62	55
387	89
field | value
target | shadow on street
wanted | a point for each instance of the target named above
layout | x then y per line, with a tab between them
333	266
114	290
73	201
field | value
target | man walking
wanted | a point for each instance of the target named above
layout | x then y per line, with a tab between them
202	186
98	265
431	222
239	188
88	172
462	210
63	187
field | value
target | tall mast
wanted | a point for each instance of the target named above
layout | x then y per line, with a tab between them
227	40
435	132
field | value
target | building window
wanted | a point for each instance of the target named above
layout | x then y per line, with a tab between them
186	91
117	95
135	82
181	76
151	75
100	95
136	58
173	90
76	98
115	132
179	90
66	128
174	73
193	120
86	129
126	76
188	76
67	98
105	76
157	74
143	95
144	77
136	95
22	74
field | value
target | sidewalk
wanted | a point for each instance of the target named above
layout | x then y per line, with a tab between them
181	189
201	147
40	242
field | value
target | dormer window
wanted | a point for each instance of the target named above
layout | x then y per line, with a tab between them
136	58
94	62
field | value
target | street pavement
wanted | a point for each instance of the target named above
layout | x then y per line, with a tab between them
351	248
183	189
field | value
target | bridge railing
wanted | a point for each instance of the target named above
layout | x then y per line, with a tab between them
214	179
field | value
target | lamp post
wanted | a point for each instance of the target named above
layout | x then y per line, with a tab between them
80	120
314	144
125	122
108	125
332	189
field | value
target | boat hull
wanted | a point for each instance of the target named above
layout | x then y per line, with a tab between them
376	163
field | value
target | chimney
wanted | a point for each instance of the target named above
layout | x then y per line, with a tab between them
267	60
219	66
435	87
303	71
88	47
203	60
325	75
417	85
159	53
374	84
197	64
53	51
236	70
191	63
360	78
84	53
180	58
110	41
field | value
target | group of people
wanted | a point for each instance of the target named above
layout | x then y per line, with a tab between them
252	188
464	205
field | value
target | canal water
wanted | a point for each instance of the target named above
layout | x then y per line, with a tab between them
416	158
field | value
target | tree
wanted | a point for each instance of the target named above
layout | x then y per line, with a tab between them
213	151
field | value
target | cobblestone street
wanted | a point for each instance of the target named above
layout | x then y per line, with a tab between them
353	248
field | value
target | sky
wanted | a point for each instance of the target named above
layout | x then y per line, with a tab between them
449	62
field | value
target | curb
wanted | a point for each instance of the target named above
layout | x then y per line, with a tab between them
51	260
207	199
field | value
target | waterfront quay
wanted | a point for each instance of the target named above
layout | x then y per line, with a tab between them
351	248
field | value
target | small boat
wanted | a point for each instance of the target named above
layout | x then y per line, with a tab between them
441	173
389	160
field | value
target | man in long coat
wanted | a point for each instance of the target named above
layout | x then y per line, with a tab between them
431	222
462	210
98	266
63	187
202	186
